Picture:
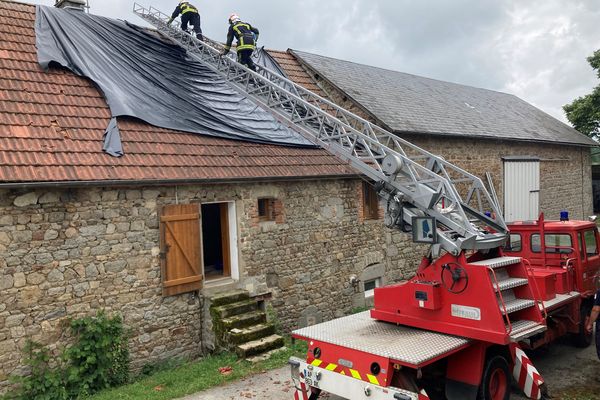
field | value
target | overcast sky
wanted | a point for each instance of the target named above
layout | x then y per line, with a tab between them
535	49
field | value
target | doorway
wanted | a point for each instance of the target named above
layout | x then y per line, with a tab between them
216	240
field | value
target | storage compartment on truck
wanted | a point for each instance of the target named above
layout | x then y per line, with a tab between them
545	281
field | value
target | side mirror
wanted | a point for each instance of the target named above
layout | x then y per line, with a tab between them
592	218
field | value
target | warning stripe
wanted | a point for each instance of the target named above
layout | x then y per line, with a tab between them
345	371
526	375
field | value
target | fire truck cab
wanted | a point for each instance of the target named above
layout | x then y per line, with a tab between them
564	274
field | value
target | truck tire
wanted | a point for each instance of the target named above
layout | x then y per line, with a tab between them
496	380
584	339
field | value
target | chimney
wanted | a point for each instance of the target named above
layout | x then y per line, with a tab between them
71	4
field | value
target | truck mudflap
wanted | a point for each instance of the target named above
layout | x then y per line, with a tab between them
309	380
527	376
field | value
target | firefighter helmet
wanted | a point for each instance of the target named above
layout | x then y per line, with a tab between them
233	18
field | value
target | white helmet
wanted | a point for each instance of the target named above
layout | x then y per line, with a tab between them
233	18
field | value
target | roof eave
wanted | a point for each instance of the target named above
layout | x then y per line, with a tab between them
486	137
166	182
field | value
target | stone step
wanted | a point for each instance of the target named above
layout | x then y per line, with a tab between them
233	296
229	310
239	336
259	346
244	320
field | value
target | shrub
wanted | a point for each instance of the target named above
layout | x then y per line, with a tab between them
98	359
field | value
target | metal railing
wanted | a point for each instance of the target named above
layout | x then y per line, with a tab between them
415	182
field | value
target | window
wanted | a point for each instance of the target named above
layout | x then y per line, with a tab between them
514	243
370	286
370	202
591	248
555	243
266	209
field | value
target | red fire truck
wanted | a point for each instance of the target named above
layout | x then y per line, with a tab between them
458	329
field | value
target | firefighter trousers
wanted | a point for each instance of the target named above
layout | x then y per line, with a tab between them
598	340
245	58
193	19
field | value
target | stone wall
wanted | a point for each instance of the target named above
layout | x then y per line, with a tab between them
565	171
68	253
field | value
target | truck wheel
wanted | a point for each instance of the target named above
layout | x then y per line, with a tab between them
583	338
495	383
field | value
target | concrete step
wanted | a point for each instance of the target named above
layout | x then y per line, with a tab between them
234	296
244	320
259	346
239	336
229	310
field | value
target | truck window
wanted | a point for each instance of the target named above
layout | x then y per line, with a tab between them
514	243
591	248
555	243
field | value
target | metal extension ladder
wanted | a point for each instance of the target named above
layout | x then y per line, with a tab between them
413	181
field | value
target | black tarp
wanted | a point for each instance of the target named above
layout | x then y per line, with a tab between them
145	77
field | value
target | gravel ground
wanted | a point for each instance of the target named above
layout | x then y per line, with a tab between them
562	366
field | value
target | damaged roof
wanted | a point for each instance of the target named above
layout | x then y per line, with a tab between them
405	103
52	123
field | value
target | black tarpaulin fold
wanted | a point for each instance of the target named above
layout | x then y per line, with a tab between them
145	77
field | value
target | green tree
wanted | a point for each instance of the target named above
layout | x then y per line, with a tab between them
584	112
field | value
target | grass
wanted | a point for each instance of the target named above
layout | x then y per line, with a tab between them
197	376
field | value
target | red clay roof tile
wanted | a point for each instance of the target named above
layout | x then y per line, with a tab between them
52	123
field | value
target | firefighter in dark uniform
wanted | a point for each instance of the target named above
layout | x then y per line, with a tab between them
593	318
246	36
189	15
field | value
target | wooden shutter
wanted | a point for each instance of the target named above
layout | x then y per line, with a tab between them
181	258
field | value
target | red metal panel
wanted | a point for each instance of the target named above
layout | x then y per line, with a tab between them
466	366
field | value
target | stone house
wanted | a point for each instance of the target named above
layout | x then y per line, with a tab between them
82	231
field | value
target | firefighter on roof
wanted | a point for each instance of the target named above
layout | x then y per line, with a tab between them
189	15
246	36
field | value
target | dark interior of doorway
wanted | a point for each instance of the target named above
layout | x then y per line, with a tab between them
215	244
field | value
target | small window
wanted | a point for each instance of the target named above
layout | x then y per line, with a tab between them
370	202
591	248
514	243
580	240
555	243
370	286
266	210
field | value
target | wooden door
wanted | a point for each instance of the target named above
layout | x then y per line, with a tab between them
181	258
224	210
